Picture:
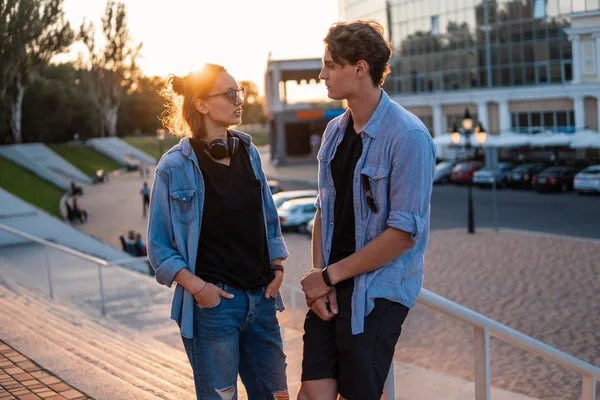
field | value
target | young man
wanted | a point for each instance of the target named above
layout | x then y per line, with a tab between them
376	168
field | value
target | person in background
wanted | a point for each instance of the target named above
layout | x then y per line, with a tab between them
145	192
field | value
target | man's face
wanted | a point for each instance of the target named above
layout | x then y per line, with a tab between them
340	80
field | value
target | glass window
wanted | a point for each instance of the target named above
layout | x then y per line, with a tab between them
555	73
523	120
561	118
549	119
539	9
541	51
518	75
530	75
542	73
528	52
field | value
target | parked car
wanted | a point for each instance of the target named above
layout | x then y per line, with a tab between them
554	179
295	214
463	171
588	180
489	176
520	176
443	171
282	197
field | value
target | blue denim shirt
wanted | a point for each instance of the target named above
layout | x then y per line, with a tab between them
175	220
399	158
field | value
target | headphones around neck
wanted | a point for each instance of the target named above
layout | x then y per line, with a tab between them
219	148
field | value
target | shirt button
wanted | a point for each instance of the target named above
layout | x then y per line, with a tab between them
331	223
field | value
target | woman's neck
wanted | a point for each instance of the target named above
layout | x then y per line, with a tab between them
215	133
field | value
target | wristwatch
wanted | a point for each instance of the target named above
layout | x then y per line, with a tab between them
326	277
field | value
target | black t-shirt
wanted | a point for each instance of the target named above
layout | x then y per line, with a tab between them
342	169
233	246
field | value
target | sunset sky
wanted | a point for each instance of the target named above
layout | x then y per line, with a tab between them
180	35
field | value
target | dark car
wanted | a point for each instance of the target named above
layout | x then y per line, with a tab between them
520	176
554	179
463	172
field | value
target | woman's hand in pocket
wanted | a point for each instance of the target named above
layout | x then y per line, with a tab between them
273	287
210	295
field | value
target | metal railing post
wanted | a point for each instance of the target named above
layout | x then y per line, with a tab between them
482	363
102	306
589	387
388	388
49	272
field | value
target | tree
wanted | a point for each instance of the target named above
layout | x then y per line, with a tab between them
33	31
113	69
140	109
253	110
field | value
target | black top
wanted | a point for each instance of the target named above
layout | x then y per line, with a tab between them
342	168
233	245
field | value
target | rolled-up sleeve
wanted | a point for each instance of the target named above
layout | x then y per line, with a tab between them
162	254
411	182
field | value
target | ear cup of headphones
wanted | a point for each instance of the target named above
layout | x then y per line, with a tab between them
218	149
234	143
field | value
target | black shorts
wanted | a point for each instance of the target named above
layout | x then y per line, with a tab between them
360	363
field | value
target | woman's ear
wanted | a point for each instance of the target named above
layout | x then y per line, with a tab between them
201	106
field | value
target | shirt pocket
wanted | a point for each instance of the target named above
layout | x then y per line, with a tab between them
184	205
379	181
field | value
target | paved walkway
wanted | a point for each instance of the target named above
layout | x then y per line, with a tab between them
544	286
22	379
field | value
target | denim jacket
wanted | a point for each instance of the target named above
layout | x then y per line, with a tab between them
399	158
175	220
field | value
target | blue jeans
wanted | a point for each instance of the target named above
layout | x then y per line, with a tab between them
237	336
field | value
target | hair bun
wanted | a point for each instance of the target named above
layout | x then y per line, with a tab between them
178	85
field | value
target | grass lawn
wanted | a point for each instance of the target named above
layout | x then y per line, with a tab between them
30	187
149	144
86	159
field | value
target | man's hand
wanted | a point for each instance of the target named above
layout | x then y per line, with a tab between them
326	307
273	287
313	285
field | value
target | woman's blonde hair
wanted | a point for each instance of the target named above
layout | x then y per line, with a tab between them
181	116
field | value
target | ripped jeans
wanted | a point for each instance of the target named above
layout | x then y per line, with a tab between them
238	336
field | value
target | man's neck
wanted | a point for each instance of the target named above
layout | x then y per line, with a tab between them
363	105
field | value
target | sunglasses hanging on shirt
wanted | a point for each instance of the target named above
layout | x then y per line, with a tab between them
366	184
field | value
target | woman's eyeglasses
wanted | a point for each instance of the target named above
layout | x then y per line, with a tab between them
232	95
367	188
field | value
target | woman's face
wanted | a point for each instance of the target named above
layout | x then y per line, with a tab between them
223	104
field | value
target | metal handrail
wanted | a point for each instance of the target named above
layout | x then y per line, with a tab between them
485	327
98	261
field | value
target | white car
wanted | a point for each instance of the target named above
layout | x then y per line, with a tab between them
282	197
295	214
487	176
588	180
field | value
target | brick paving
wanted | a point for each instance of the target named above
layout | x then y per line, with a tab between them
23	379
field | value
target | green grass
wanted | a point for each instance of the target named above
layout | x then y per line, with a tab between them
86	159
150	145
30	187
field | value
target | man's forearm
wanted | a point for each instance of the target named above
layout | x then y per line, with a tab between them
317	242
386	247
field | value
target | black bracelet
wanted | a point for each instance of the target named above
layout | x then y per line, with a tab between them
277	267
325	275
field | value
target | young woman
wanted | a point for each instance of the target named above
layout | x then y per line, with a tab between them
214	230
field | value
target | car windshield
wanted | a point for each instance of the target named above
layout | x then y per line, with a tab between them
554	170
594	169
443	165
293	205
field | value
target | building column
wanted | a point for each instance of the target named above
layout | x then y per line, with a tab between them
482	114
596	37
576	50
438	129
579	110
276	78
504	115
598	113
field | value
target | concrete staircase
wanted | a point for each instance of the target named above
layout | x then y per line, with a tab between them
100	357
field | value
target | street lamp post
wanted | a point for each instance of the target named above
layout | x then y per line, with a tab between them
480	136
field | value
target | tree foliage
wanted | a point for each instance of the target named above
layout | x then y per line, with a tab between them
113	69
